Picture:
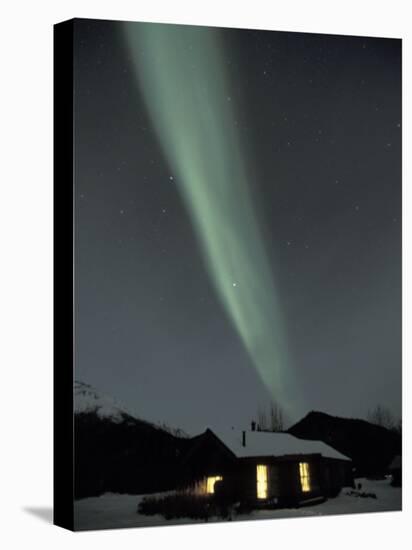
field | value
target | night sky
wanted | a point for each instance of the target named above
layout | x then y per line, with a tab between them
319	120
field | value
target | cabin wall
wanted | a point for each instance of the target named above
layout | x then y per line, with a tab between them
274	481
335	475
239	476
284	481
294	493
208	458
284	487
246	481
288	481
284	484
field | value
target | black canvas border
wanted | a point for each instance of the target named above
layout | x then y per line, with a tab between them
63	293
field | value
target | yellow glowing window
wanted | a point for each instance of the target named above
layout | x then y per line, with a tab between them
304	476
262	481
210	484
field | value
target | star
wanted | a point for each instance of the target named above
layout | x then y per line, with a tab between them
234	284
121	212
164	210
171	178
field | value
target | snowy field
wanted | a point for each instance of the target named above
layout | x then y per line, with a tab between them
113	511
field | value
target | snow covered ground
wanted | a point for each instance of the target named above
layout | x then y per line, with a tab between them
112	510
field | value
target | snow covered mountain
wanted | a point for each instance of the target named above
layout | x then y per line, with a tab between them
115	451
88	400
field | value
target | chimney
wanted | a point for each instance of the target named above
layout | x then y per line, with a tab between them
243	438
253	425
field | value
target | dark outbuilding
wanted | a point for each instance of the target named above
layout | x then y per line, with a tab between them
395	469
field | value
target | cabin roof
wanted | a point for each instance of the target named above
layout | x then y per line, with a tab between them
277	444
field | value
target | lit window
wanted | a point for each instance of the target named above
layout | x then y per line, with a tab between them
210	484
262	481
304	476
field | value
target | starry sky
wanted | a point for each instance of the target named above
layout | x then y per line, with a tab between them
319	119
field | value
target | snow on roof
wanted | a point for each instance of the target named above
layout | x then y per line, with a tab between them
273	444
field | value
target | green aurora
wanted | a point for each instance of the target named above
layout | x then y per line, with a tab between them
183	78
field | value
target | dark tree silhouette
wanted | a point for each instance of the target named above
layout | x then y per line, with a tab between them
271	420
381	416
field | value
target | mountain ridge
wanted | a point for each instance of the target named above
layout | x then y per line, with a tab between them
117	452
371	447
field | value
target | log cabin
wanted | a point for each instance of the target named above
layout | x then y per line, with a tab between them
264	469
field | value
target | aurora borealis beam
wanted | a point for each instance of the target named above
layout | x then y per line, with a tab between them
187	91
